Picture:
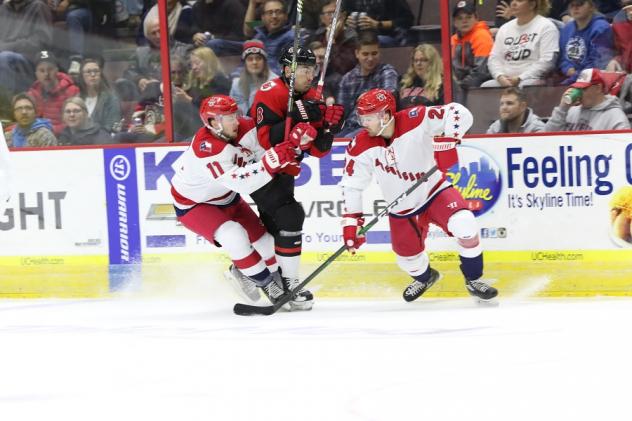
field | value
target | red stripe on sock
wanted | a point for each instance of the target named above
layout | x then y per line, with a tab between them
294	251
271	261
248	261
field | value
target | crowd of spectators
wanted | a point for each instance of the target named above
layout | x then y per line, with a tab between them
58	93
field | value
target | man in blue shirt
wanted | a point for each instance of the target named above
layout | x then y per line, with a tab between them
585	42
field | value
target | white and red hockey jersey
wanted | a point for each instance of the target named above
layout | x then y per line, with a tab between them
398	162
213	171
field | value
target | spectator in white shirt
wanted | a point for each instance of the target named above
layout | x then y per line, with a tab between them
526	48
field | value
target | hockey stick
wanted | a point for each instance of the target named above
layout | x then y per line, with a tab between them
330	42
248	310
290	99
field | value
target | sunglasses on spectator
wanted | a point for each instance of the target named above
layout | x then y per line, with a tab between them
91	72
277	12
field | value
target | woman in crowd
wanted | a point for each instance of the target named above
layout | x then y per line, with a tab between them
254	74
80	129
422	84
206	77
104	108
525	48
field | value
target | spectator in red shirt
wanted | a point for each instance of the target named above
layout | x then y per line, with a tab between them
51	89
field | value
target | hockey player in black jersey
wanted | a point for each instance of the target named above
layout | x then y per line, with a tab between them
282	215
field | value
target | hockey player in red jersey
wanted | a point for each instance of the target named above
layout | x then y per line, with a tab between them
282	215
223	161
397	148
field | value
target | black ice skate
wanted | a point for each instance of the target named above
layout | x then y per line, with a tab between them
480	289
302	300
242	283
417	288
274	288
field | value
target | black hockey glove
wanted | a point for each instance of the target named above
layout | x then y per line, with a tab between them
306	110
323	141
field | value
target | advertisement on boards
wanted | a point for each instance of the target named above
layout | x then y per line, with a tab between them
542	192
57	207
549	192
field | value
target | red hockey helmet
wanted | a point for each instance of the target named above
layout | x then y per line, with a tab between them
216	105
376	100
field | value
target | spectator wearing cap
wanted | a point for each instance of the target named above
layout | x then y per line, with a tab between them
25	26
471	45
29	130
585	42
515	114
526	48
594	110
51	89
255	72
80	129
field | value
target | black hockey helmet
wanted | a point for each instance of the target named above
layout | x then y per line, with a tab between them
304	56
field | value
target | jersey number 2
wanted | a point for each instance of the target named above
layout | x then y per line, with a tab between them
436	113
217	171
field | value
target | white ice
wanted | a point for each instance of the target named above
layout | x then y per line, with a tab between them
186	357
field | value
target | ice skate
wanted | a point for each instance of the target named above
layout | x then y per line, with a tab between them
417	288
303	299
479	289
274	288
242	284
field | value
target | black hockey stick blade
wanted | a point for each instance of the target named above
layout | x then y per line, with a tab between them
248	310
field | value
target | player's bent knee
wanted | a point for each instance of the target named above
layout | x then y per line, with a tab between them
234	239
413	265
290	217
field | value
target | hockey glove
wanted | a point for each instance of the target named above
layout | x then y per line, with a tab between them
445	152
351	225
333	117
302	136
280	157
322	144
307	110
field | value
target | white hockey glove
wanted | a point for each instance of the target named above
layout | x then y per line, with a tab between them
280	157
445	152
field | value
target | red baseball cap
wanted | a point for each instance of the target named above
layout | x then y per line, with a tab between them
589	77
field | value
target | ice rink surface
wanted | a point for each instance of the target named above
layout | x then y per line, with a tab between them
183	356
